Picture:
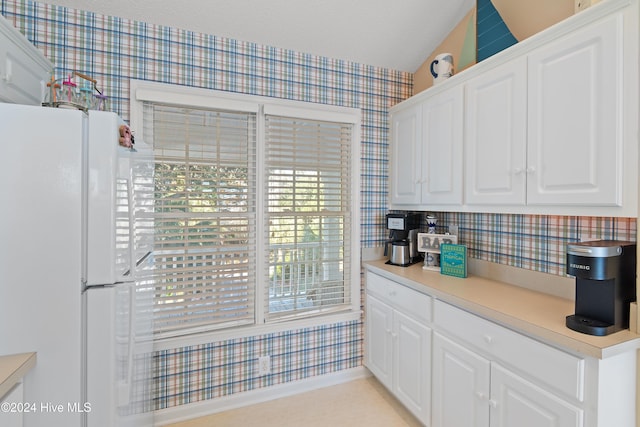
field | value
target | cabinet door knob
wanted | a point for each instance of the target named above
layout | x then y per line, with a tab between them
480	395
493	403
488	339
518	171
531	169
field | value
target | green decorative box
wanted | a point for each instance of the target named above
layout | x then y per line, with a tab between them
453	260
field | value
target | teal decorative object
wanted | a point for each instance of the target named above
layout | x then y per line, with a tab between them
493	35
453	260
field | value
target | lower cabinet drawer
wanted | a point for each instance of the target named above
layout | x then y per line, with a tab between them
406	300
561	371
378	284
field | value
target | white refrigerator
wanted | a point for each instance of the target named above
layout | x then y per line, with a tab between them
71	257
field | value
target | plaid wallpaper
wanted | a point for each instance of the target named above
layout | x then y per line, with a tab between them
218	369
115	50
533	242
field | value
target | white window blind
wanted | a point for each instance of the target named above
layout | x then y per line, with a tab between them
307	216
252	207
203	216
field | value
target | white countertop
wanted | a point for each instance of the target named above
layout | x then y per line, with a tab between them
12	368
538	315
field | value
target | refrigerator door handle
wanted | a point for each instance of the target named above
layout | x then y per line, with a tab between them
137	264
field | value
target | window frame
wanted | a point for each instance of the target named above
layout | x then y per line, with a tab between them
141	91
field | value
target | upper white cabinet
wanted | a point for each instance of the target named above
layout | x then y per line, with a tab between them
426	152
441	160
575	121
496	135
24	70
548	126
405	165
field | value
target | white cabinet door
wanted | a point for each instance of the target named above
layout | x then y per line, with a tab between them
405	148
575	134
442	130
379	340
460	385
496	135
516	402
412	365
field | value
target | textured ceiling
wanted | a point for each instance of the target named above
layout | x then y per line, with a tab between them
396	34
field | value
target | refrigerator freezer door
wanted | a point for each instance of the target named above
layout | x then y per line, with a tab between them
119	356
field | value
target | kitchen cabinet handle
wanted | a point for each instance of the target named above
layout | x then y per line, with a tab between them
531	169
493	403
518	171
8	77
480	395
488	339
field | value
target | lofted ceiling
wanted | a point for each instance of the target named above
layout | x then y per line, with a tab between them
396	34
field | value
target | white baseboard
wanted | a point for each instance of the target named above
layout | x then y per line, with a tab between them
208	407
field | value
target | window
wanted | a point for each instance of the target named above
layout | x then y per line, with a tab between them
307	215
255	208
203	216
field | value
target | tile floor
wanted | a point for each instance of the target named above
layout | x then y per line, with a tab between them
362	402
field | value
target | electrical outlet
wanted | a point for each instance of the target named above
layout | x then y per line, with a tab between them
453	230
264	365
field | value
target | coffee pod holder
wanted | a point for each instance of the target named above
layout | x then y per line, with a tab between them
429	244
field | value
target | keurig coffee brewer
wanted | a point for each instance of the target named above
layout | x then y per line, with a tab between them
605	272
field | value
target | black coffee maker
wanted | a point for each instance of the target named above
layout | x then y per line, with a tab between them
605	272
402	246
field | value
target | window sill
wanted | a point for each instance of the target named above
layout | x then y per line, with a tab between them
254	330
